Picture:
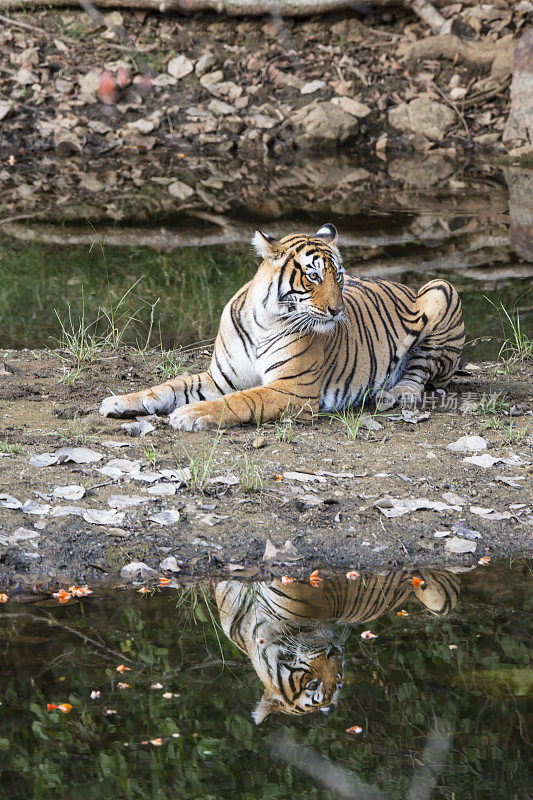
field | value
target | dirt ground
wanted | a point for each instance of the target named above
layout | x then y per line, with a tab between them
330	518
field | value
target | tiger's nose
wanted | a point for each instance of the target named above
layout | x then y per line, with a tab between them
335	311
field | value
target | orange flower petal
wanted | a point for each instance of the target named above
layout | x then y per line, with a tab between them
122	668
285	580
62	596
354	729
3	598
418	582
167	695
143	590
352	575
123	685
278	478
65	708
315	579
402	613
51	706
368	635
483	561
157	742
164	581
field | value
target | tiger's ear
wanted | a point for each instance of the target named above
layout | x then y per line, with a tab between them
328	232
266	246
266	706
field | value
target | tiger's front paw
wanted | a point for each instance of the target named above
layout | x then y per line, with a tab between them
114	406
193	418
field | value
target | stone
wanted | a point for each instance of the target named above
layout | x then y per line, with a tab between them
219	107
352	106
422	115
205	63
421	171
90	82
323	125
350	30
179	67
179	190
137	571
25	77
457	545
518	133
468	444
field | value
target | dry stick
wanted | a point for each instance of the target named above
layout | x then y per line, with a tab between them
41	31
97	16
454	106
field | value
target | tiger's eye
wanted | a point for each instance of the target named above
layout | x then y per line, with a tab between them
312	685
312	276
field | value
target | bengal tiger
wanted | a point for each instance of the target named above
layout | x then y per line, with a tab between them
288	631
302	333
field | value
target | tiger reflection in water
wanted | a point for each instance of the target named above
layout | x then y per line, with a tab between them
289	633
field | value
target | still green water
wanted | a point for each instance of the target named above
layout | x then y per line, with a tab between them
43	283
466	674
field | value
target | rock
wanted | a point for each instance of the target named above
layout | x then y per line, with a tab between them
161	489
312	87
121	501
179	66
456	545
453	499
97	516
170	564
422	115
323	125
138	428
7	501
137	571
79	455
350	30
5	109
352	106
167	517
73	492
518	133
210	78
421	171
205	63
468	444
90	83
219	107
181	191
280	555
25	77
66	142
484	461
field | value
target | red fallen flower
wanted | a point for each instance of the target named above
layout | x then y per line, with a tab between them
285	580
354	729
164	581
122	668
79	591
315	579
418	582
368	635
65	708
107	91
402	613
62	596
352	575
51	706
3	598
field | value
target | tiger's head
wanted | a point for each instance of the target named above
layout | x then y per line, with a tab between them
299	676
309	278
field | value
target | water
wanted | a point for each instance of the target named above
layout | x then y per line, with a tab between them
459	683
413	223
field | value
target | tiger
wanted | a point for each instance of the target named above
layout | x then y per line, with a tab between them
305	335
288	630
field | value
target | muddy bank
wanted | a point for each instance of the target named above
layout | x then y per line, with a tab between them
328	510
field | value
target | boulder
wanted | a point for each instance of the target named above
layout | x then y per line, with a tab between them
518	133
422	115
323	125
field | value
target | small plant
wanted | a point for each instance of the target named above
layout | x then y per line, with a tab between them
491	404
169	366
250	475
74	432
514	434
285	427
150	453
9	449
493	424
201	466
517	345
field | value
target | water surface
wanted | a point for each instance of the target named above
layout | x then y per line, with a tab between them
462	680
